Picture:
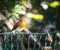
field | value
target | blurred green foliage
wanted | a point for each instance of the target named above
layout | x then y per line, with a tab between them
8	4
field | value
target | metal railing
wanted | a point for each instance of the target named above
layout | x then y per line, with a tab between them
22	41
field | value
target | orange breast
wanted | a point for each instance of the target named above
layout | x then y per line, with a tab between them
22	24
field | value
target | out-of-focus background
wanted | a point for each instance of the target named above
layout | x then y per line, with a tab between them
36	16
42	12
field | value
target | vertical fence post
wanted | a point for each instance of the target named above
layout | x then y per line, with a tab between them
34	46
11	41
23	48
28	41
1	44
55	45
40	42
17	40
5	41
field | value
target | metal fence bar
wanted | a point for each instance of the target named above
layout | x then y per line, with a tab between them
39	42
17	42
20	42
28	43
34	46
26	33
11	42
5	42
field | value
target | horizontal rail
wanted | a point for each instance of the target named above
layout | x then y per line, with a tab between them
25	33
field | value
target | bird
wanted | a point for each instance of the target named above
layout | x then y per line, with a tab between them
22	24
